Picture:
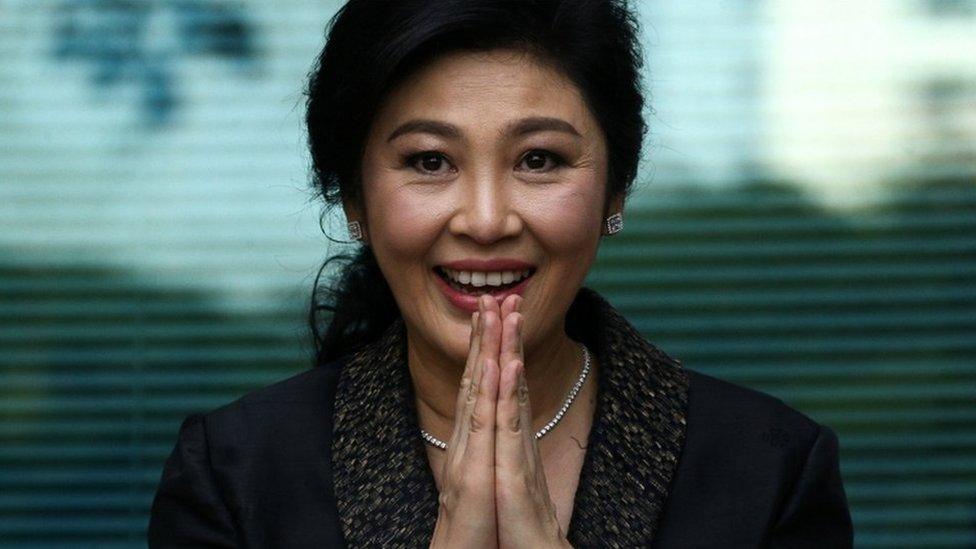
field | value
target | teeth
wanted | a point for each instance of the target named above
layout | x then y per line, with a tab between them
483	278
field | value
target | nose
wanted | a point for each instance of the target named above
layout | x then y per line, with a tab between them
486	213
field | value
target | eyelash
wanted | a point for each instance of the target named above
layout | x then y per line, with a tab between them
558	161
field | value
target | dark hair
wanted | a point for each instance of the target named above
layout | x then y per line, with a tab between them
372	45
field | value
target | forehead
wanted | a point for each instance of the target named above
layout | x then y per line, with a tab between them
486	87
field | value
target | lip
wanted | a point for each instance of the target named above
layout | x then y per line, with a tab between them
497	264
469	303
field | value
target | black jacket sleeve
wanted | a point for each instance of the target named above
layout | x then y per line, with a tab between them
188	510
815	514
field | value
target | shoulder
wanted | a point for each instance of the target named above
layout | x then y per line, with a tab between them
749	457
731	424
726	409
257	468
287	409
305	386
270	428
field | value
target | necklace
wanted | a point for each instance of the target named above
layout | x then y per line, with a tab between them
434	441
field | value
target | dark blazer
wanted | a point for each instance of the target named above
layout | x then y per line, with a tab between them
332	457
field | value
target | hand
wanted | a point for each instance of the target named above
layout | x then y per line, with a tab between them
525	512
488	498
466	514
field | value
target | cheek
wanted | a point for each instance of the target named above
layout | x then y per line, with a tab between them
566	220
402	224
566	225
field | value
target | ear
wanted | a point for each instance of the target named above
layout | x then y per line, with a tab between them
615	204
355	213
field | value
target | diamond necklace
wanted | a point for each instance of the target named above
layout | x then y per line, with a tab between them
434	441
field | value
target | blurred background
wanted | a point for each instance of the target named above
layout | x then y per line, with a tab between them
804	223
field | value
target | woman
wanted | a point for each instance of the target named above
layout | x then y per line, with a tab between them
470	392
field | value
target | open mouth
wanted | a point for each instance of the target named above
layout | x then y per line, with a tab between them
482	282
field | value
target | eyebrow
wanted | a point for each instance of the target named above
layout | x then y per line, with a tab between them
519	127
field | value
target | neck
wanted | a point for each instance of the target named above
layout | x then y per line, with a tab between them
551	368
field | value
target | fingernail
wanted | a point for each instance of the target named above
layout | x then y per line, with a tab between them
520	379
515	385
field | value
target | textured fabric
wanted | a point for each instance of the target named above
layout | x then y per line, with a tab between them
753	473
387	495
275	468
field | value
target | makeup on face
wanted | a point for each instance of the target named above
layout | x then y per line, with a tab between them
484	174
464	281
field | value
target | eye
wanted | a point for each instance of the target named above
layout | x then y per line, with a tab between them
539	160
428	162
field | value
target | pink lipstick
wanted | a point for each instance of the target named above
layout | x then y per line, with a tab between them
463	281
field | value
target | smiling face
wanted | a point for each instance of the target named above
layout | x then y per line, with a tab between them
483	172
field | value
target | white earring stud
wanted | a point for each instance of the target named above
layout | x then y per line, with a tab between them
355	230
615	223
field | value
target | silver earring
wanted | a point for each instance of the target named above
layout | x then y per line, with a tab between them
355	230
615	223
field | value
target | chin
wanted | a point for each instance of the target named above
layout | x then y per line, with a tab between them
448	336
458	345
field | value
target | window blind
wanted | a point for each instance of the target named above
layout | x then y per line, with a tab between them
804	223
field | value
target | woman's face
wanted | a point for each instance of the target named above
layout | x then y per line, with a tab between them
480	169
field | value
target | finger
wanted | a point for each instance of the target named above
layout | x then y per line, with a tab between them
511	347
520	340
509	425
473	344
470	382
472	335
532	453
492	304
509	305
472	348
491	343
530	450
469	370
479	450
488	346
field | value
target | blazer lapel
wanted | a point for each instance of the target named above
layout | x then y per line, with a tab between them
637	434
385	491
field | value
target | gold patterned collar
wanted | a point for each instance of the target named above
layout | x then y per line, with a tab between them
385	490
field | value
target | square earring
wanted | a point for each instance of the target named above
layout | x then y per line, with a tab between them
615	223
355	230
